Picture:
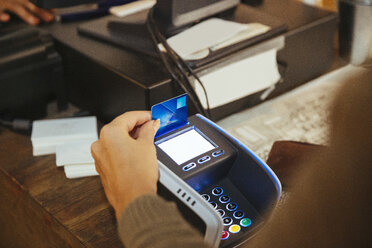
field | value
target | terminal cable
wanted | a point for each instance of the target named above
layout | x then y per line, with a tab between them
18	125
179	70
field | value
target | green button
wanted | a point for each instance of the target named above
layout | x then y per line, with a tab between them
245	222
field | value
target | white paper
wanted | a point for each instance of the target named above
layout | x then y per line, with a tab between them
239	79
252	30
74	153
47	134
81	170
52	131
43	150
204	35
131	8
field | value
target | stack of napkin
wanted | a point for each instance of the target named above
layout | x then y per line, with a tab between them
70	139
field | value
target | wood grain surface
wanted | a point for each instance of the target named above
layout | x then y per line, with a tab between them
39	204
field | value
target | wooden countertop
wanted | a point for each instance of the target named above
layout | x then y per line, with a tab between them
68	212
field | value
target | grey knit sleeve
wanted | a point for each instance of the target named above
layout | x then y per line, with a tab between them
150	221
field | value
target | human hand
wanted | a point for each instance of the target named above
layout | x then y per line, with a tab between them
25	10
125	158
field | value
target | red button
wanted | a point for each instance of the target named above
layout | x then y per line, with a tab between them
225	235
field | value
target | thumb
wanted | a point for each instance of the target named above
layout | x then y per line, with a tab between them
148	130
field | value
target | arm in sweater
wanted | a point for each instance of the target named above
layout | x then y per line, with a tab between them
150	221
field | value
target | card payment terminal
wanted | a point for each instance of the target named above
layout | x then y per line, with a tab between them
224	187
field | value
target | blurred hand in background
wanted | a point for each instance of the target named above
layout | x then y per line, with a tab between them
25	10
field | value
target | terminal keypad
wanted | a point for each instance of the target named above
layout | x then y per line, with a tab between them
233	218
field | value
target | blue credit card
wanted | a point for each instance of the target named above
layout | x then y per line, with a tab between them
171	113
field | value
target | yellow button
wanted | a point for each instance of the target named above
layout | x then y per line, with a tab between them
234	228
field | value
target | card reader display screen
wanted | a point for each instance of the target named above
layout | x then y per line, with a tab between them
186	146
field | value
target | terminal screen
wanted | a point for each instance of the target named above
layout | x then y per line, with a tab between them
186	146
